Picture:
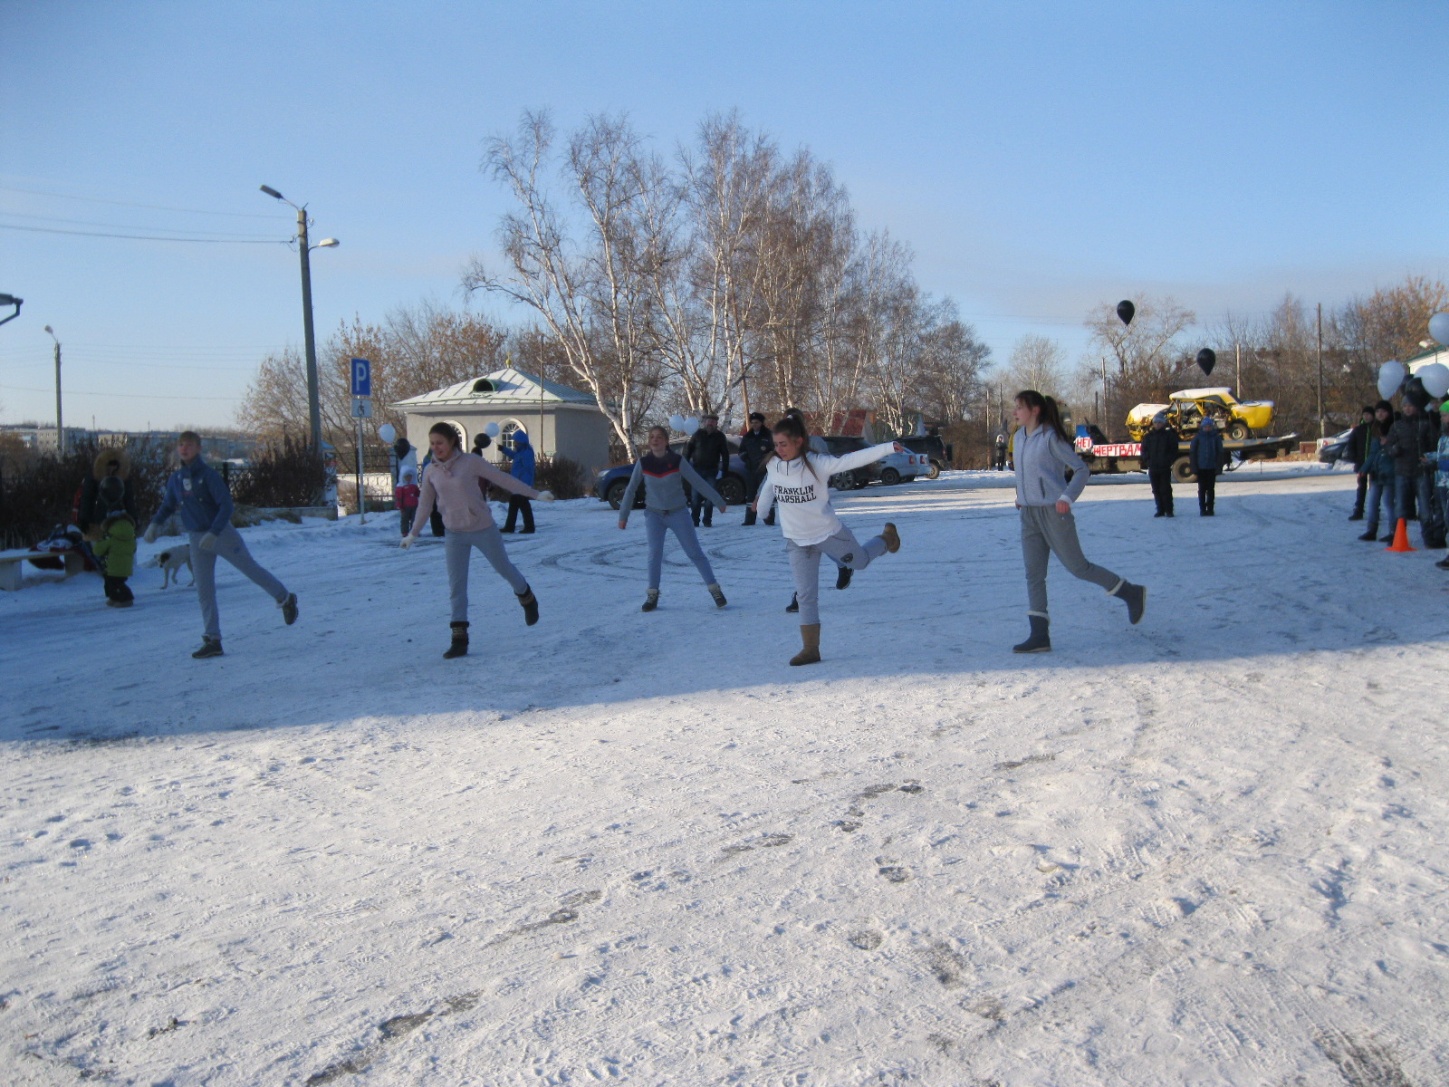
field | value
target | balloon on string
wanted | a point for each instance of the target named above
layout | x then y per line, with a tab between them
1435	378
1439	328
1207	358
491	430
690	426
1125	311
387	432
676	422
1391	376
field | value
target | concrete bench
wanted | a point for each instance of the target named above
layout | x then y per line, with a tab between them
12	574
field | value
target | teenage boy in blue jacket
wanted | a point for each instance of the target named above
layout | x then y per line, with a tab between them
197	490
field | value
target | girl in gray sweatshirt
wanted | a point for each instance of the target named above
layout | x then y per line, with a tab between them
663	473
1042	456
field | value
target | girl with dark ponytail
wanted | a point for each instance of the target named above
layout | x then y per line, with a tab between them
1043	453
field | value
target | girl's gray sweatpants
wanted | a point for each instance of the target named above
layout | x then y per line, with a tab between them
229	546
677	521
1045	532
458	548
844	548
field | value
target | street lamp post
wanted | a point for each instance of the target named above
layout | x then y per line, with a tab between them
314	402
59	421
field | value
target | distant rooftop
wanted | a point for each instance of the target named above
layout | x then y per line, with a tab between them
506	387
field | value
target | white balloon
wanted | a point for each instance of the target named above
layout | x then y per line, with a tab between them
1439	328
491	430
1435	377
387	432
676	422
690	426
1391	376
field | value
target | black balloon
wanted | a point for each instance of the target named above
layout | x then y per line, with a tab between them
401	448
1126	311
1207	359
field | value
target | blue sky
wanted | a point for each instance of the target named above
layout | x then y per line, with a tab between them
1039	158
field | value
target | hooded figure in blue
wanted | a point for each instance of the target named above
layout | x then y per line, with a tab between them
521	468
198	492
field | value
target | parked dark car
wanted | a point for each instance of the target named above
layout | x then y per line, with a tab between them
1336	448
933	447
612	482
893	468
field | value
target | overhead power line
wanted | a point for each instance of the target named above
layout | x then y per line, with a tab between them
146	237
131	204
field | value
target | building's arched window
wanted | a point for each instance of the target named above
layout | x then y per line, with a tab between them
506	431
483	385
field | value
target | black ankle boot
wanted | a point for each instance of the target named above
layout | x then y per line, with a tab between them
459	648
530	606
1040	640
794	604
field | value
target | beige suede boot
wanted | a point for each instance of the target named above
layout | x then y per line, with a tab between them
810	640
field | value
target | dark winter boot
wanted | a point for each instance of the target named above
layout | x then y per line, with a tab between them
651	601
459	648
718	594
891	537
750	515
530	606
289	609
794	604
1040	640
810	645
1134	596
843	576
210	647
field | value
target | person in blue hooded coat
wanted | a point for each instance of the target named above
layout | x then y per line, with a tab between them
521	468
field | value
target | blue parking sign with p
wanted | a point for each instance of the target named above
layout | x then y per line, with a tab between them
361	377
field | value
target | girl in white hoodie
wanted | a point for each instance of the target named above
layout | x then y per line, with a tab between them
799	481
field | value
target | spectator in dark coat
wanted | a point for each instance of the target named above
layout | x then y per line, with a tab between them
1207	456
1358	449
1410	439
522	469
708	453
1379	467
1159	454
755	448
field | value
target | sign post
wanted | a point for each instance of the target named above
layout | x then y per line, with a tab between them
361	409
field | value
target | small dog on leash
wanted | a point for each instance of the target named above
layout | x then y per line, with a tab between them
172	560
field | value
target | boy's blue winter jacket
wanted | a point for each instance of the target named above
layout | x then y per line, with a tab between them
521	456
199	492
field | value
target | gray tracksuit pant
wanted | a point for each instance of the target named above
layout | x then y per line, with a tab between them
682	526
458	548
844	548
1045	532
229	546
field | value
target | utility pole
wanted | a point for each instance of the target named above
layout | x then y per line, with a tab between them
1322	426
1238	351
59	421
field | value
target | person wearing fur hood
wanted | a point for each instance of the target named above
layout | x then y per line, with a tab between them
107	516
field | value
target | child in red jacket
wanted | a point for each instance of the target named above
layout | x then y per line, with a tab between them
405	498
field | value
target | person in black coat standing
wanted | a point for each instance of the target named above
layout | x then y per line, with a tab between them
1358	448
708	453
1159	454
755	448
1207	456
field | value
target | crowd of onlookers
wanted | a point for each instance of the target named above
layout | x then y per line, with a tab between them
1402	461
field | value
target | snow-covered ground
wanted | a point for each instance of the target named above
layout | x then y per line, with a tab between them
1208	849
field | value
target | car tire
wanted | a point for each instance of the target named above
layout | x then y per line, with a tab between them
732	490
1182	471
1238	431
935	471
842	481
616	491
889	476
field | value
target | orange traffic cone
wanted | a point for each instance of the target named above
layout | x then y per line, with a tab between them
1401	538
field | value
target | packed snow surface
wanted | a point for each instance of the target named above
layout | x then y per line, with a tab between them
1208	849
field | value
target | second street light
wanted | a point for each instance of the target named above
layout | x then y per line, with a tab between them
314	402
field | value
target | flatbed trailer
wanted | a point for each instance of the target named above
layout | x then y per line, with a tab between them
1127	456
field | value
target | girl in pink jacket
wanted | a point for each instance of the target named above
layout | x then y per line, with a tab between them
457	483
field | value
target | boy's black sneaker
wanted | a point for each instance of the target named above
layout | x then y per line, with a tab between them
210	647
843	576
289	609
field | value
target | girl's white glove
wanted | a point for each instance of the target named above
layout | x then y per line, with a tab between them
208	542
545	496
407	542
